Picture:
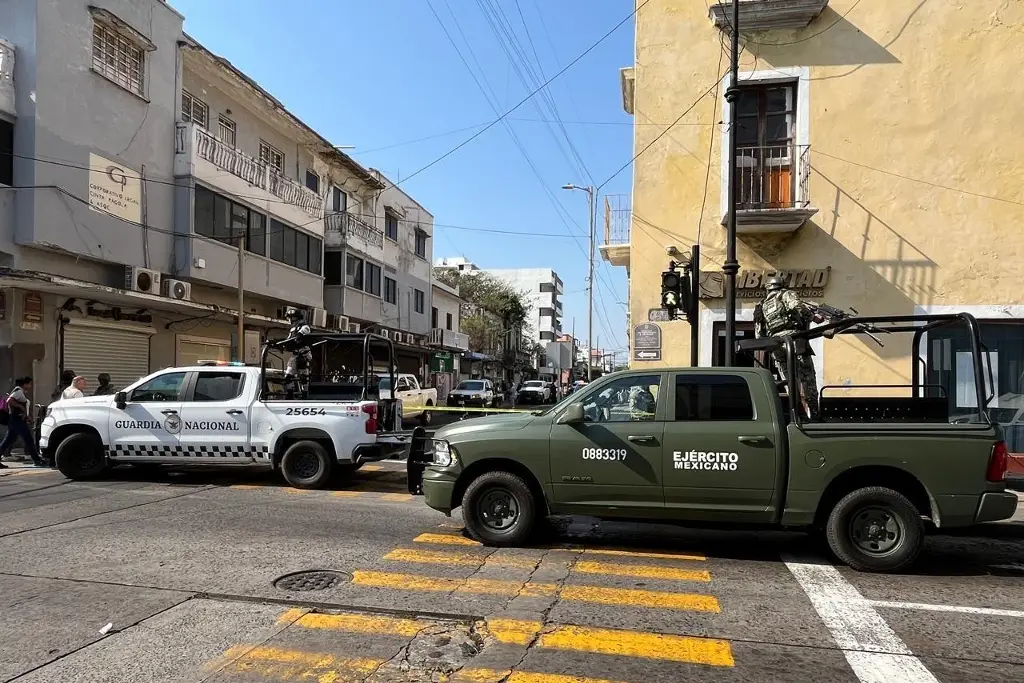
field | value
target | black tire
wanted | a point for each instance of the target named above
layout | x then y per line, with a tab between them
875	529
307	465
81	456
487	491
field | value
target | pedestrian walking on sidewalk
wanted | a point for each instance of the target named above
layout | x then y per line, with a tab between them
19	423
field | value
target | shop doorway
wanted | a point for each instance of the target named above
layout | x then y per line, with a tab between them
744	330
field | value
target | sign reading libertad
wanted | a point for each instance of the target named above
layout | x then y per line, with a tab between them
750	283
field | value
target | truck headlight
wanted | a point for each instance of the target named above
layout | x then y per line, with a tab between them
444	454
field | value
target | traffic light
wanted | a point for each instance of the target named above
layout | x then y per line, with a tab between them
675	290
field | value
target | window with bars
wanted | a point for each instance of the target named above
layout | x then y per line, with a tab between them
226	130
272	156
194	110
118	59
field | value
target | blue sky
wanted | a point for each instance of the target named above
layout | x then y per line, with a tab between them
380	75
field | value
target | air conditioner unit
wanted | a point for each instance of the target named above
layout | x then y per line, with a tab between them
318	317
142	280
337	322
177	289
386	334
353	327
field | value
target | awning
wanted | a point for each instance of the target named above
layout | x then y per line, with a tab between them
80	289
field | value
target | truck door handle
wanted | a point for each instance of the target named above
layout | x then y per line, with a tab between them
169	412
645	440
754	440
234	411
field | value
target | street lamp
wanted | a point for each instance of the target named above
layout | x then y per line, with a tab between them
592	194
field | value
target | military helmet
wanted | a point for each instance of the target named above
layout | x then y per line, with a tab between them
775	283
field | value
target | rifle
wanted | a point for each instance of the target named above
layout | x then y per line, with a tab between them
822	312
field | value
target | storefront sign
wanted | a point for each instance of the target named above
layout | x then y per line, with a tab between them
750	283
442	362
114	189
118	315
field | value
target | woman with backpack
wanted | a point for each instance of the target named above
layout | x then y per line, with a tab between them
16	405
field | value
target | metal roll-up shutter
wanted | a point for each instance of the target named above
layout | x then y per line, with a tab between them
121	353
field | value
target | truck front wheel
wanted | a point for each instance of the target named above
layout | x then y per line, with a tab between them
875	529
499	509
307	465
80	456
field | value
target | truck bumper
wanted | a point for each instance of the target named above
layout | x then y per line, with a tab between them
995	506
438	488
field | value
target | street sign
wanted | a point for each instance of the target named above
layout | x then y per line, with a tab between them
646	354
647	336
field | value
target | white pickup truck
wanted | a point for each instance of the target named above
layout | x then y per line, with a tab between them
216	414
413	397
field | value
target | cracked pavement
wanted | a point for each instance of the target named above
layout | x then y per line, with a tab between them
183	568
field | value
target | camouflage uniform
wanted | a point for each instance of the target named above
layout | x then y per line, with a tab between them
641	405
783	313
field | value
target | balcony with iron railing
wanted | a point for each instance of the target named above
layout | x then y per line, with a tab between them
200	154
617	216
773	188
341	227
448	339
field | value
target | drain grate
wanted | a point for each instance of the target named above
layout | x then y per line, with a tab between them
316	580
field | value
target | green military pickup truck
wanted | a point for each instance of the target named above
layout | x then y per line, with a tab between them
720	446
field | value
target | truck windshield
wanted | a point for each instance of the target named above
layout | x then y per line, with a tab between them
470	386
534	384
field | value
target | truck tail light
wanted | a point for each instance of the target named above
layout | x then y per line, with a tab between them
371	420
997	462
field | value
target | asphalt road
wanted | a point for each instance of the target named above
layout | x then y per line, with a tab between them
183	570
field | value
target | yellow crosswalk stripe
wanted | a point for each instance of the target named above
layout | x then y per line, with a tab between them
619	642
641	571
347	494
445	539
593	594
371	468
456	558
644	554
508	676
354	623
397	497
282	664
246	487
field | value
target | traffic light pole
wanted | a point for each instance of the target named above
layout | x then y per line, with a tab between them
731	265
694	312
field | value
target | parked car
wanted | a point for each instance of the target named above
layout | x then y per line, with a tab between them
535	392
415	399
478	393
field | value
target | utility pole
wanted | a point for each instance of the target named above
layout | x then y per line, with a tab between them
592	196
241	296
731	265
695	306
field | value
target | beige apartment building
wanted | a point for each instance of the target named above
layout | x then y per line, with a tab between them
878	166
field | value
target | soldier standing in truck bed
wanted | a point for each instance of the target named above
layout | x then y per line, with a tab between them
784	313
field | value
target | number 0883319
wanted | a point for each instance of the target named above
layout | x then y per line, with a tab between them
604	453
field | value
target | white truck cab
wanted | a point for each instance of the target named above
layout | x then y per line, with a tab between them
413	397
216	414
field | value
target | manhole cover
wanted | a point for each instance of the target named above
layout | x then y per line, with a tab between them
301	582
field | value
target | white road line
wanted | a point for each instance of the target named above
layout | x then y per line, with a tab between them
928	607
872	649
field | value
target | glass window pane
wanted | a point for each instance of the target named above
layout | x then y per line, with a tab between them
204	212
713	397
746	131
256	238
316	249
217	386
630	399
777	128
221	219
776	99
289	246
163	388
373	278
748	101
276	235
301	250
239	222
354	272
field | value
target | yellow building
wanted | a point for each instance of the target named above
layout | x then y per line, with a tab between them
880	167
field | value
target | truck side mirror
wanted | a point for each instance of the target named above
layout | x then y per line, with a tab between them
121	399
573	414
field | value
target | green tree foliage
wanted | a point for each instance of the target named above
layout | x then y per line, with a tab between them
495	310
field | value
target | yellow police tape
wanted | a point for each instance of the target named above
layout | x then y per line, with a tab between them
455	409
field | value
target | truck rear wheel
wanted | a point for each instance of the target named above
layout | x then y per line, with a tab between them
875	529
499	509
80	456
307	465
